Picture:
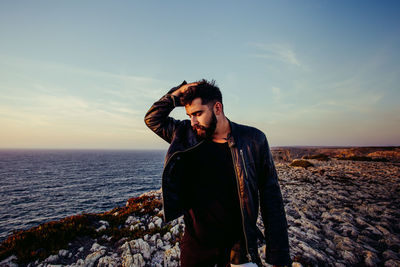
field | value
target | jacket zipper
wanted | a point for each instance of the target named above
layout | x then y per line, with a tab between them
244	164
166	163
241	203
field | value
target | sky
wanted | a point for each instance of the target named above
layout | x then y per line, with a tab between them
82	74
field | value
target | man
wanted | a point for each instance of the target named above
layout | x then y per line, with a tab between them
217	174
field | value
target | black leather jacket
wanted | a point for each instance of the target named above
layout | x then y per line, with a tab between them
256	179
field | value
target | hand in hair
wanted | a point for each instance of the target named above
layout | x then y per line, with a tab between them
183	88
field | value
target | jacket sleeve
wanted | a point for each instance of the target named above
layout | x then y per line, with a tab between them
157	117
272	211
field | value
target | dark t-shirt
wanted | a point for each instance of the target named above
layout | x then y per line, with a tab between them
212	209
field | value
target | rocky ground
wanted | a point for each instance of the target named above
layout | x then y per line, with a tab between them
340	213
343	213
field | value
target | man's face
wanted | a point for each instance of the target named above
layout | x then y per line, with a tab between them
202	118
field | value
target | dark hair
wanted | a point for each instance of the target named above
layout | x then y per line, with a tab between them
208	91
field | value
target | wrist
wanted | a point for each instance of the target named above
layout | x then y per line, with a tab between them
176	100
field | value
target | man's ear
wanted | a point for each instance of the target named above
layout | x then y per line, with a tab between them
218	108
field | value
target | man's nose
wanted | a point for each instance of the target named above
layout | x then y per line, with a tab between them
193	121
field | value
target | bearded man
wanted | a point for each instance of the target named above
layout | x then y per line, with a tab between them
218	174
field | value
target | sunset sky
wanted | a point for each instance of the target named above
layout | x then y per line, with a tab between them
82	74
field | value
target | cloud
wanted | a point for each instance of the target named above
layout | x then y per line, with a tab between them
276	91
278	52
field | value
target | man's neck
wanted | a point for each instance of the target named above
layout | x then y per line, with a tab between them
221	132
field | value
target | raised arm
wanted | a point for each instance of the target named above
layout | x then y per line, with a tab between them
157	117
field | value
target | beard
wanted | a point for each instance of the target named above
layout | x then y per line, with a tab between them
203	132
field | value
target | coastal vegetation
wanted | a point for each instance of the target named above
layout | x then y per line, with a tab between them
48	238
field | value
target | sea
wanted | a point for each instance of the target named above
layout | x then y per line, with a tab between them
38	186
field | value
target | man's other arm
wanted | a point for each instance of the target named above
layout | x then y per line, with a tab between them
272	211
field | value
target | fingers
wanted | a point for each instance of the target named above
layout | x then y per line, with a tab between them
183	88
186	86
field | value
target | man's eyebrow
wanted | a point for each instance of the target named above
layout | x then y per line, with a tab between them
193	112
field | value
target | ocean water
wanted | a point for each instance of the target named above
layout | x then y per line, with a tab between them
38	186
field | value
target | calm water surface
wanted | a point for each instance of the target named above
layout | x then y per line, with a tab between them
37	186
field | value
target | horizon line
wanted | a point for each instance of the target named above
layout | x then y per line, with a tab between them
272	147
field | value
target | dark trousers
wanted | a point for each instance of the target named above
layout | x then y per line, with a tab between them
194	254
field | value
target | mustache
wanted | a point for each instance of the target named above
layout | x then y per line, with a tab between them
199	127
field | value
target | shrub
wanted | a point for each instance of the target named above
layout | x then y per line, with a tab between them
41	241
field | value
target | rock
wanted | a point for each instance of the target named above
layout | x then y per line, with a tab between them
167	236
330	244
312	253
107	261
383	230
347	229
330	251
141	246
393	242
129	260
154	238
301	163
9	262
151	226
79	263
392	263
158	222
390	255
126	256
172	255
63	253
101	228
52	258
105	237
160	213
343	243
349	257
157	259
104	223
373	230
135	227
93	257
130	220
174	222
97	247
370	259
159	243
166	247
175	230
138	260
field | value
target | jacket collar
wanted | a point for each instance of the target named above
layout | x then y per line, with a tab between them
232	134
